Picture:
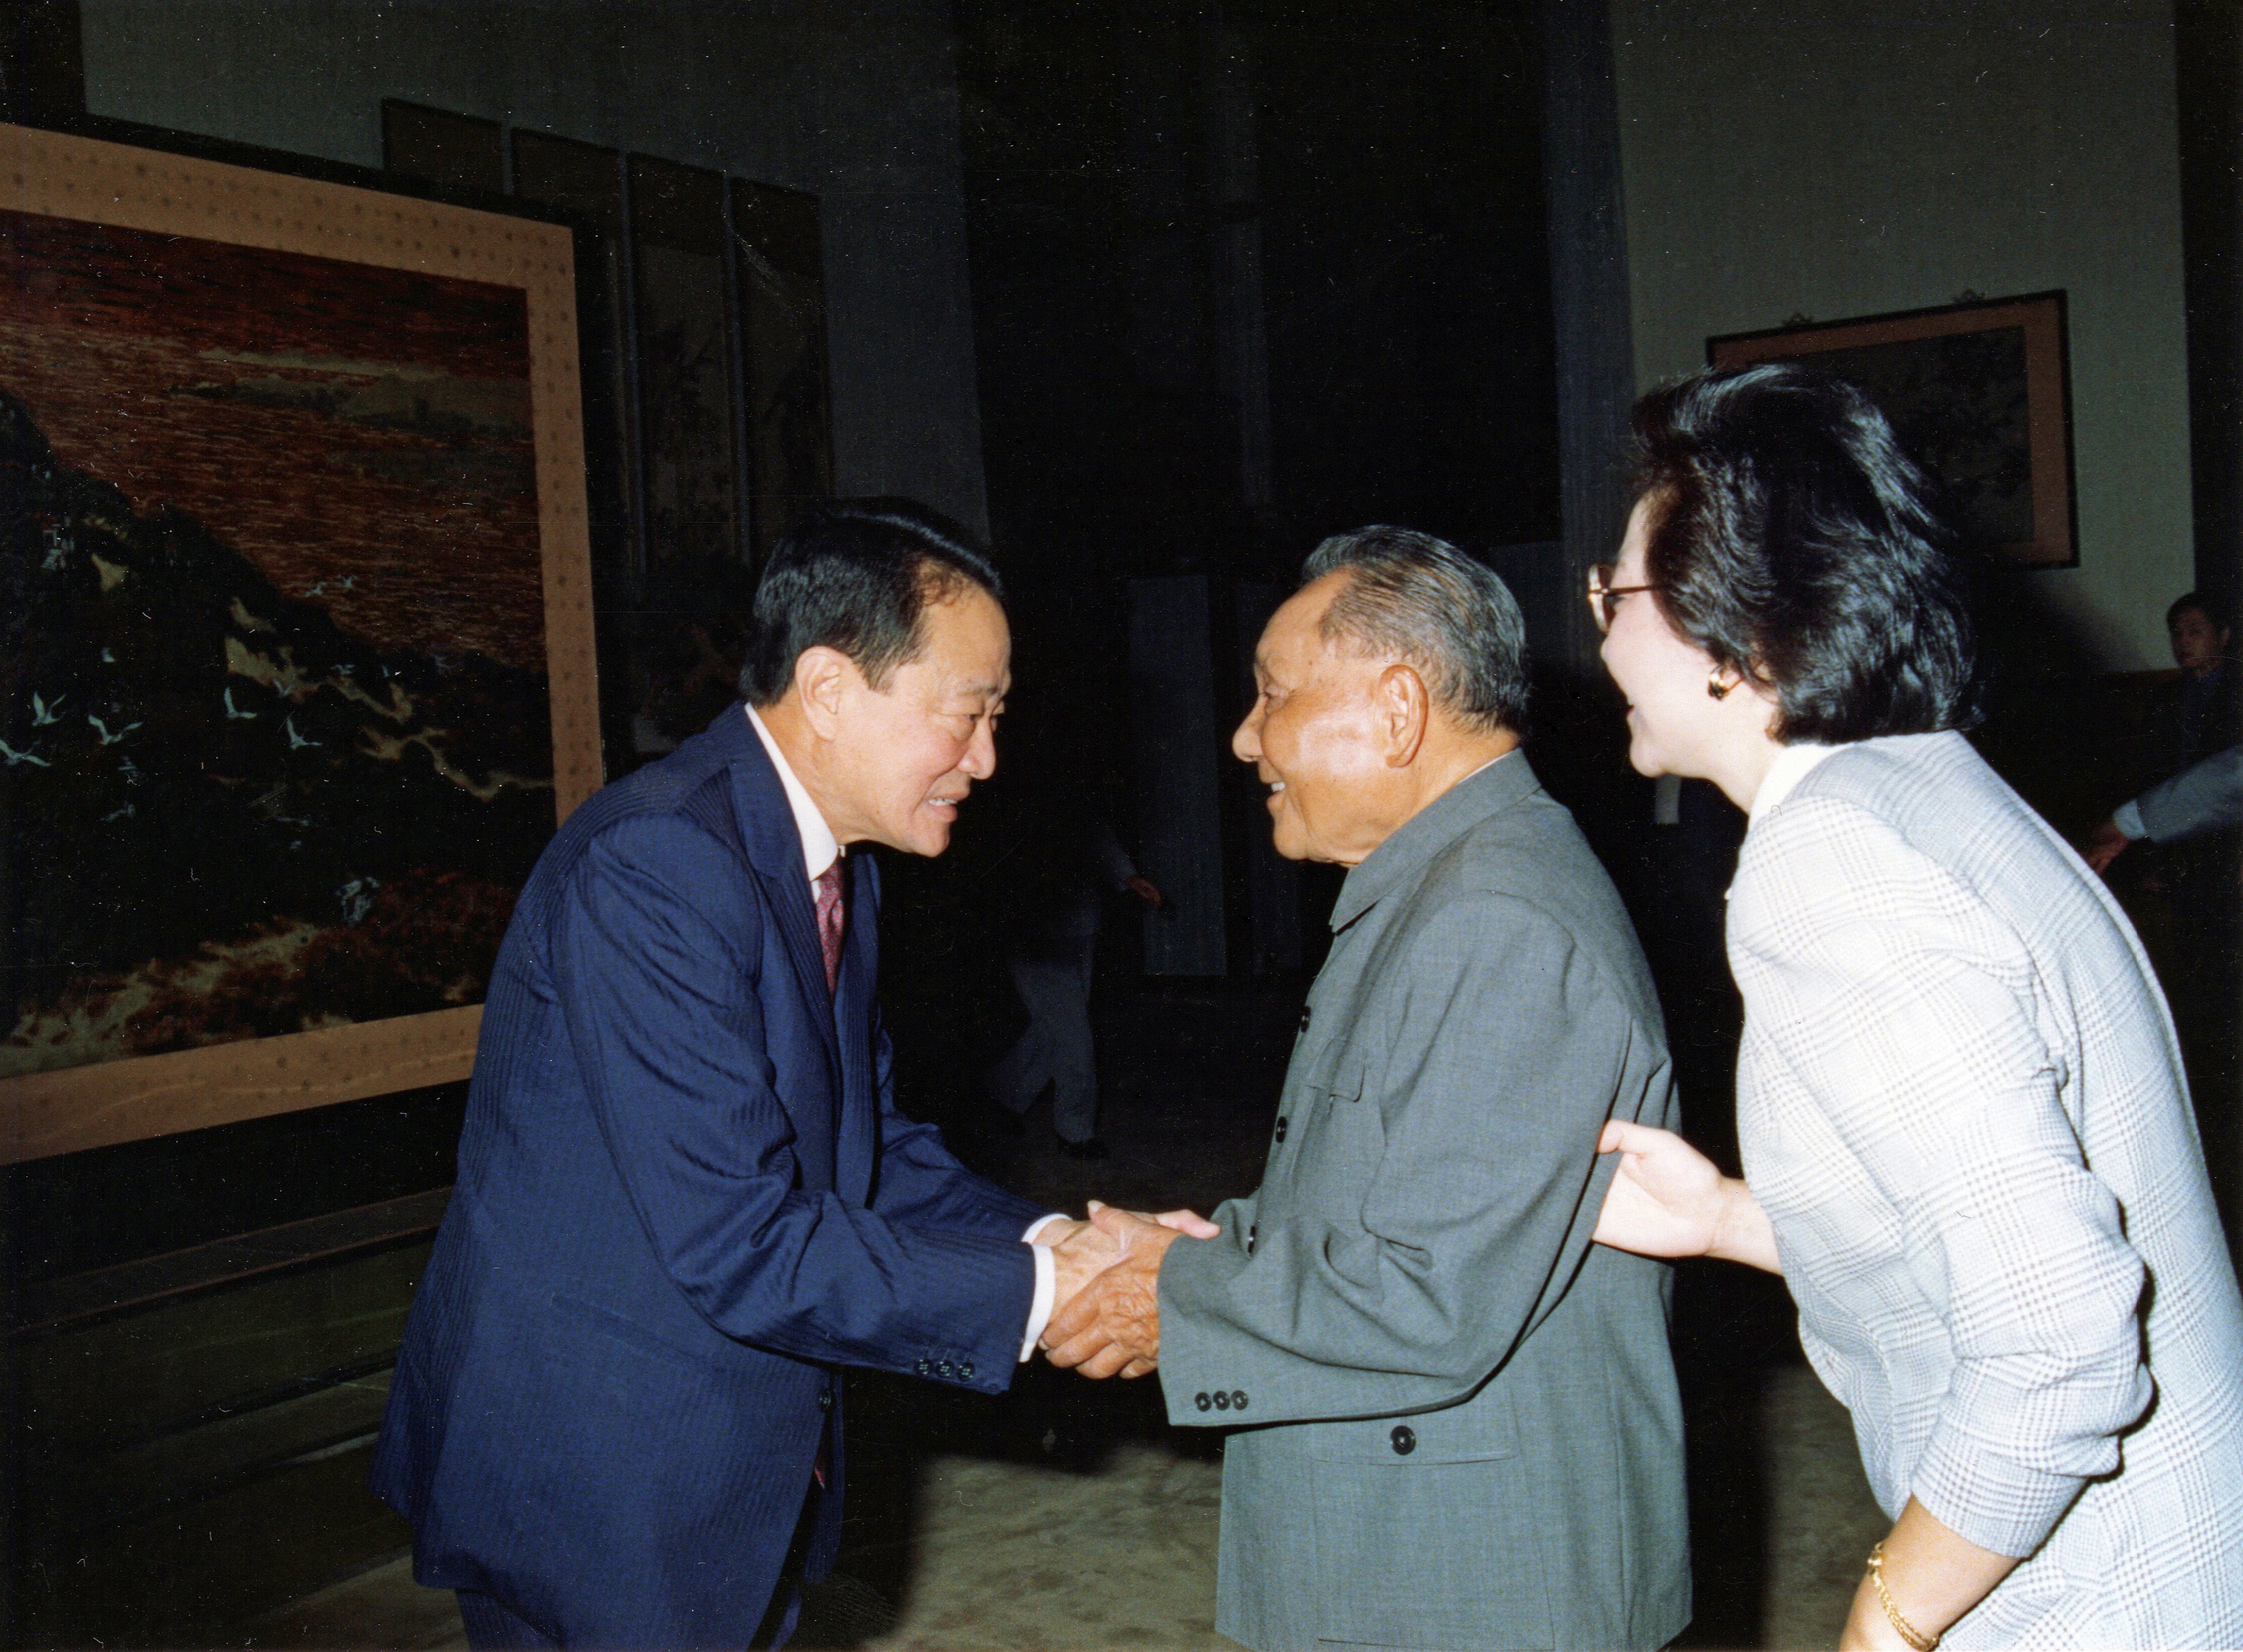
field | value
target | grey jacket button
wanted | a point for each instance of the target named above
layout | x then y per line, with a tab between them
1283	1125
1202	1401
1405	1438
1238	1400
1222	1401
1253	1232
1305	1018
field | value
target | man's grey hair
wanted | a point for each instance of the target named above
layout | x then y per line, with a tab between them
1420	600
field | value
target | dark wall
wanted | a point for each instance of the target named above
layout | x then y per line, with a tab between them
1387	166
1242	277
1411	341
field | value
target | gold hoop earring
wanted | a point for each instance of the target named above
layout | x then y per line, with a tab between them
1716	688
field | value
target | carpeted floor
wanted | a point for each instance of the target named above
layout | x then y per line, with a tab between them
1009	1554
1068	1515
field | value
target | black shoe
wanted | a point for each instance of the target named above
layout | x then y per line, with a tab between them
1089	1148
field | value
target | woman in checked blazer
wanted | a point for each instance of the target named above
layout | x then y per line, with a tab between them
1966	1137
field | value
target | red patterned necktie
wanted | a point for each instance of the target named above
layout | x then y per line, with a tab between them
831	920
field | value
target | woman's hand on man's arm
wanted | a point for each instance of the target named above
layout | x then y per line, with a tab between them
1667	1199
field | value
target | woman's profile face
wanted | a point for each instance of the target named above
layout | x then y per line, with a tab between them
1672	724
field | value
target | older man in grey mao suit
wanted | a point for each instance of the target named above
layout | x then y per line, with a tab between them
1456	1419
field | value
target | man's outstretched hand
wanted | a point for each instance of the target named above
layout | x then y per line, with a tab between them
1080	1253
2106	843
1112	1327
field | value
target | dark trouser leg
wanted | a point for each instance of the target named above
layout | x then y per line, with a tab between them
1064	1009
493	1627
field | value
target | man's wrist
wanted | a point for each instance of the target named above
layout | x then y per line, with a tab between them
1045	1298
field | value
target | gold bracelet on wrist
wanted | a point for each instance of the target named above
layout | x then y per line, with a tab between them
1917	1639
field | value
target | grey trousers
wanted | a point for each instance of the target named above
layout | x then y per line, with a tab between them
1056	1048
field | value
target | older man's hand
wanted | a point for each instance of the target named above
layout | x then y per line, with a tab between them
1080	1253
1113	1326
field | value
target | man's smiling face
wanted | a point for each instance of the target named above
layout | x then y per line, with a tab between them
1315	735
913	748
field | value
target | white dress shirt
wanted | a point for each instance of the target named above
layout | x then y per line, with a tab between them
820	849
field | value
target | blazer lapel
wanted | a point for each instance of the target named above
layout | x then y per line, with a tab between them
775	851
859	1131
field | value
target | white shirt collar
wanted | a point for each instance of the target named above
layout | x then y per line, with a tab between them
1793	764
819	847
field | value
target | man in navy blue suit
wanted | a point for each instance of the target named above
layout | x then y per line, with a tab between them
685	1198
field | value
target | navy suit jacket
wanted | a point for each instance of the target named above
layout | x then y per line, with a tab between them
685	1198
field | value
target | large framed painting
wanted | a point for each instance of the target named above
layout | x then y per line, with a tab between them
1979	393
297	645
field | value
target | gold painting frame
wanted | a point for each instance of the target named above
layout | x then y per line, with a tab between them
2035	441
66	177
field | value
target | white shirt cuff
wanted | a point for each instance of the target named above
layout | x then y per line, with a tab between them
1040	1309
2127	817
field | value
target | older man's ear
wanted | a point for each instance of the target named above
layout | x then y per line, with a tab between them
1405	709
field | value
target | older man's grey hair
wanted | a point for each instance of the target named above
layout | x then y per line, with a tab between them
1421	601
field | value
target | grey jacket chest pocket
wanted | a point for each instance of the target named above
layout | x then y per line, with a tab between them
1343	1139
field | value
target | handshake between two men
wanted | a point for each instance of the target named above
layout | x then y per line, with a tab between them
687	1201
1106	1303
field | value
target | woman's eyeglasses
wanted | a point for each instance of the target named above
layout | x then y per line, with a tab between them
1603	596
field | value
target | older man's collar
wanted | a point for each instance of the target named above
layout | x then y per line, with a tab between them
1448	817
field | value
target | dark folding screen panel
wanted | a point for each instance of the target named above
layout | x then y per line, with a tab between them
1179	807
685	371
780	278
586	182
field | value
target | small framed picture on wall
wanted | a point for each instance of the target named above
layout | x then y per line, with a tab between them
1980	395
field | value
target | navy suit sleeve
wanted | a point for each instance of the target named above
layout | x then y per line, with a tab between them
654	952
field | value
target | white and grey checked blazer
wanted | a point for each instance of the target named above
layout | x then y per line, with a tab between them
1960	1104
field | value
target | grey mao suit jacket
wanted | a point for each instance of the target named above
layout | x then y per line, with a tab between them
1457	1425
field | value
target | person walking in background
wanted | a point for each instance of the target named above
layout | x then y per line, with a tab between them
1070	863
1965	1131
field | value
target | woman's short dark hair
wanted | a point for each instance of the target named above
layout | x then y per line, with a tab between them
1792	540
858	577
